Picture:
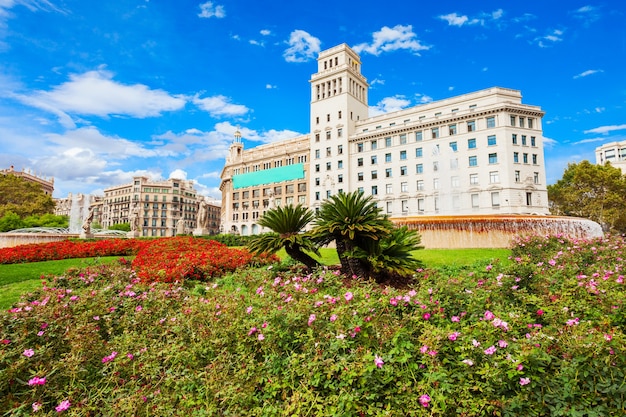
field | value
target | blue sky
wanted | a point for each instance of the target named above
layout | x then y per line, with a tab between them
93	93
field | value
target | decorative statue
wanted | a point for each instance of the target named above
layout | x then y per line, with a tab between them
87	222
180	227
203	214
134	218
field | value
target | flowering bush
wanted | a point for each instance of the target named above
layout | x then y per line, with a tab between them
542	337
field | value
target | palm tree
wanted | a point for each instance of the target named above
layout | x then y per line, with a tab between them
351	220
287	223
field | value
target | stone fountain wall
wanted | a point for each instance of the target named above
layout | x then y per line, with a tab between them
8	240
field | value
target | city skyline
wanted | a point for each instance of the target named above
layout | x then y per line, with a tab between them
95	94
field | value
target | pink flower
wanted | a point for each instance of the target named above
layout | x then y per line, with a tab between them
311	319
490	350
572	322
424	399
608	337
249	310
426	316
502	343
110	357
36	406
489	315
64	405
468	362
475	342
424	349
520	367
37	381
348	296
130	356
524	381
488	268
378	361
138	308
252	331
540	312
333	317
28	353
455	319
393	302
261	337
264	325
453	336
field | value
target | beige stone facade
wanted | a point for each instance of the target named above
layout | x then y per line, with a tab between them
614	153
47	184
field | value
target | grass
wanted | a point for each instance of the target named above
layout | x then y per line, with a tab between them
17	279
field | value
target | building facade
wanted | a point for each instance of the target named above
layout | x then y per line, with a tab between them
163	208
47	184
614	153
477	153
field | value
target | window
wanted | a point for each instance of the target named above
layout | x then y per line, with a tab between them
387	142
436	183
471	126
359	147
403	139
387	157
328	152
516	157
327	134
530	123
521	122
317	137
418	136
419	152
495	199
389	189
525	157
420	205
340	178
533	140
454	181
374	175
474	179
317	167
514	139
317	195
471	144
453	146
374	145
374	159
419	168
493	158
517	176
328	167
374	190
512	120
317	181
339	132
404	187
491	140
359	176
317	154
535	174
474	198
473	161
435	166
523	140
494	177
389	206
339	115
360	189
434	132
359	162
452	129
328	117
405	206
339	149
420	185
339	164
534	159
402	155
403	171
529	199
491	122
388	173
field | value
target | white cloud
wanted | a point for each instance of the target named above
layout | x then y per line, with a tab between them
389	104
270	86
392	39
587	73
178	174
423	98
377	81
454	19
255	42
219	105
265	32
592	140
95	93
588	14
551	38
549	143
302	47
606	129
208	10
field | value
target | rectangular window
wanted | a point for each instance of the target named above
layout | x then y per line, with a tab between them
454	146
374	160
420	185
403	139
514	139
403	171
516	157
452	129
340	178
530	123
474	198
328	151
317	181
534	159
491	122
387	157
525	157
495	199
402	155
435	166
389	189
387	142
536	176
389	206
434	132
359	162
471	144
340	133
529	199
359	147
317	137
436	183
374	190
419	168
491	140
388	173
521	122
404	187
494	177
374	145
420	205
454	182
474	179
418	152
374	175
512	120
405	206
473	161
339	149
493	158
317	167
471	126
418	136
327	134
340	164
359	176
523	140
533	140
317	195
328	167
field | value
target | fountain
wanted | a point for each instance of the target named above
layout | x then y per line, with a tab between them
494	231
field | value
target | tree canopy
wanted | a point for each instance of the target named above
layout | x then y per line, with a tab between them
596	192
23	198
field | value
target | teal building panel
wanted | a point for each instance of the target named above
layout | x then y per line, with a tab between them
269	176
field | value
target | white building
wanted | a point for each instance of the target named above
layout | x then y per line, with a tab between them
614	152
478	153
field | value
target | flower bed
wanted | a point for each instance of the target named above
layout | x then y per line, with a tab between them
543	337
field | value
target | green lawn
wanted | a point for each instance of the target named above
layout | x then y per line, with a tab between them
17	279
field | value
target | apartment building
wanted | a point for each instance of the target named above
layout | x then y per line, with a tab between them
47	184
477	153
614	153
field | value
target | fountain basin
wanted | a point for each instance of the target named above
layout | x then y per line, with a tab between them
493	231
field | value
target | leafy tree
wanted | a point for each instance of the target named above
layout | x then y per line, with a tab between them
125	227
22	197
11	221
46	220
288	224
596	192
